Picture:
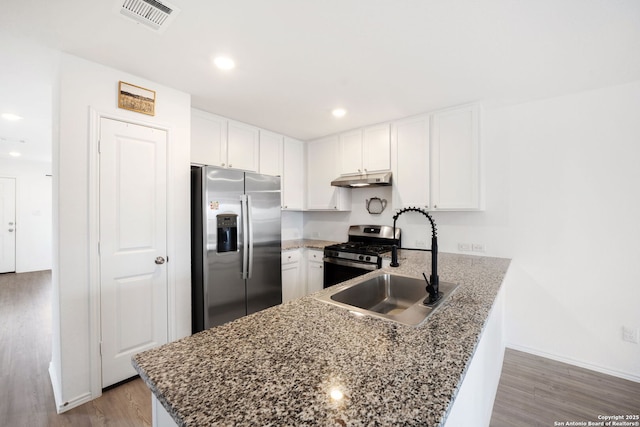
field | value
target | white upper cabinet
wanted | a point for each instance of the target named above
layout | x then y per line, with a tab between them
218	141
365	150
208	138
322	168
455	159
351	152
293	175
376	148
410	159
271	154
436	160
243	146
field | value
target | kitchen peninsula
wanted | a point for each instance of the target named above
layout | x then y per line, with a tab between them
307	362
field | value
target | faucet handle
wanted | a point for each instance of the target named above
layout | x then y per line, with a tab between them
394	256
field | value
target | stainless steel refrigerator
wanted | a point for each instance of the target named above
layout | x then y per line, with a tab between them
236	244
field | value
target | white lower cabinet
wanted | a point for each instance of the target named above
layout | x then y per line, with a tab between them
293	283
315	270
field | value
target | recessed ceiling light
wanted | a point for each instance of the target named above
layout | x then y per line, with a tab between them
14	154
224	63
339	112
10	116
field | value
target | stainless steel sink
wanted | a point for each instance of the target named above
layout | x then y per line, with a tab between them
388	296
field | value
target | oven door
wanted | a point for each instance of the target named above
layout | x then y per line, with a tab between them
338	270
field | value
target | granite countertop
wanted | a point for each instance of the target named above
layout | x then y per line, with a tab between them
306	243
280	366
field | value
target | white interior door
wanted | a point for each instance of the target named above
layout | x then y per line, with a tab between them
7	225
133	270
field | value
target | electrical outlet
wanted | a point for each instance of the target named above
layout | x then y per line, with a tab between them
464	247
477	247
421	243
630	334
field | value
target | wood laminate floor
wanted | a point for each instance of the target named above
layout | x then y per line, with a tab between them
533	391
539	392
26	395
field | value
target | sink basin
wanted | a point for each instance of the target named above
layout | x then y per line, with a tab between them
388	296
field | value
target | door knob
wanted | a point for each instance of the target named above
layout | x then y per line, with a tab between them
159	260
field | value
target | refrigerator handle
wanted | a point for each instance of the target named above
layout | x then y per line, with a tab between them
250	222
245	240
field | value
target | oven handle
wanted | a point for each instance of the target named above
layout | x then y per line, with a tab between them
348	263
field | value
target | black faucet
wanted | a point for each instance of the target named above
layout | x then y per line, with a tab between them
434	283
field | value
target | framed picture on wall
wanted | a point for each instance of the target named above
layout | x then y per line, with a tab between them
136	98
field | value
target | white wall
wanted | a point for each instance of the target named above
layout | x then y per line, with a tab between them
291	225
573	225
33	212
562	178
84	85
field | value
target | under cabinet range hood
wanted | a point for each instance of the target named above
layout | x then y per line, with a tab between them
366	180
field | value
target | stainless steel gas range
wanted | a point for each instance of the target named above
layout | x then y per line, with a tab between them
361	254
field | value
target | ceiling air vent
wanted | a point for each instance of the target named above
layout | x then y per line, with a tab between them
152	13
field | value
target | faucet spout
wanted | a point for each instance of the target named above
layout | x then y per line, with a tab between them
433	284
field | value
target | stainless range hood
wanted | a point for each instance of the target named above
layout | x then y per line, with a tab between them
367	180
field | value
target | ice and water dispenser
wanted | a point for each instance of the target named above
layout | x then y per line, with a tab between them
227	232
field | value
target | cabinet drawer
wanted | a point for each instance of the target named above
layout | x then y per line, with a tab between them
313	255
290	257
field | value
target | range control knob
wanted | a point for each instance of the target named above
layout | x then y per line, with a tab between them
361	257
368	258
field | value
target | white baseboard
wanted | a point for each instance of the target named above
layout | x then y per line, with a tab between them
578	363
70	404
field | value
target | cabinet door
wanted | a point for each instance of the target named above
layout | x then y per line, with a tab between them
271	145
293	175
293	286
376	148
455	159
410	155
322	168
351	153
315	271
291	282
208	138
242	146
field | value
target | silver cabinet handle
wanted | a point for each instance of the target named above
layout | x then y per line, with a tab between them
11	230
159	260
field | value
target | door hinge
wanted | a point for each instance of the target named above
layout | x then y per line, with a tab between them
100	347
98	248
99	146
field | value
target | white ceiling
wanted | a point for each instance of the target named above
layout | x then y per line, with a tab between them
379	59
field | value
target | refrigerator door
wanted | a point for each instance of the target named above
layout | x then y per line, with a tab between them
224	286
264	283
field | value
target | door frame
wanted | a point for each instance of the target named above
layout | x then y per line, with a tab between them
95	327
15	218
